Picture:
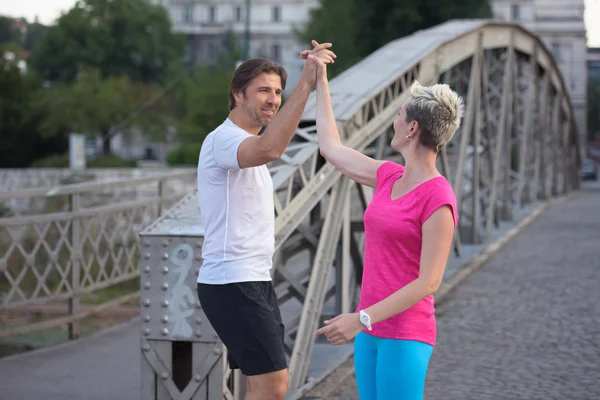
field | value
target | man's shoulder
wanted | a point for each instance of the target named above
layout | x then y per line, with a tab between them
228	128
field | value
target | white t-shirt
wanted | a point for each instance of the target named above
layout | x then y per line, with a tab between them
236	206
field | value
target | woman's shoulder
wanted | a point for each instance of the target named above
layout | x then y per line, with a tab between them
389	168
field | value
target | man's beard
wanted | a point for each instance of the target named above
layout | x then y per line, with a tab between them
255	116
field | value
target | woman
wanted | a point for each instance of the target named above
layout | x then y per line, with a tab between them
409	226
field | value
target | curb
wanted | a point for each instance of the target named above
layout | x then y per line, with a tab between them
331	379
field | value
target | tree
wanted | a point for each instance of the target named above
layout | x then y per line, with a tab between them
593	109
20	143
104	107
363	26
129	38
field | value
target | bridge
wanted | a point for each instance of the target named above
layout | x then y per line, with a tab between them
516	153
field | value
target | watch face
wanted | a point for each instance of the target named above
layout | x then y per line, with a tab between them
364	319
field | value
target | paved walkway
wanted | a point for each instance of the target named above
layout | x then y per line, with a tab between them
526	326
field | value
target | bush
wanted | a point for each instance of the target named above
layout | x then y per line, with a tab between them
111	161
53	161
62	161
185	154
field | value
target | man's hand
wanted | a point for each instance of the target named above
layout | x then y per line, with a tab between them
318	55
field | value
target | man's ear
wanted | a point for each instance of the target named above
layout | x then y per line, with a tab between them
238	96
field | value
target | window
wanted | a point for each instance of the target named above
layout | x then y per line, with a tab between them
212	14
276	52
238	14
515	12
556	52
276	14
188	13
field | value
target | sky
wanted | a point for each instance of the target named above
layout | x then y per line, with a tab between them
48	10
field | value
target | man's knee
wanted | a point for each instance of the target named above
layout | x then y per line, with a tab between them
272	386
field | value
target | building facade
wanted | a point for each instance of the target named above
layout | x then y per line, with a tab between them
272	25
560	25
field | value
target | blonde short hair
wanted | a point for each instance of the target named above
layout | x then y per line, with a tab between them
438	110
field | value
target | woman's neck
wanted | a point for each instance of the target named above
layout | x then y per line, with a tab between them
420	164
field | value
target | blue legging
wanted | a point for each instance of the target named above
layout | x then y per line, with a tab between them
390	369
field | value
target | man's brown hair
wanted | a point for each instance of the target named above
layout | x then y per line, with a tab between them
249	70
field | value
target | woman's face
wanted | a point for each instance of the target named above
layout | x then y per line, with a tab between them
401	129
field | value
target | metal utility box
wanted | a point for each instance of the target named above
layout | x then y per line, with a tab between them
182	356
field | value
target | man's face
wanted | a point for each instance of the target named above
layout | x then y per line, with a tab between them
261	99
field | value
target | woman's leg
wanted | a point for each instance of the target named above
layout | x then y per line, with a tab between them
401	369
365	363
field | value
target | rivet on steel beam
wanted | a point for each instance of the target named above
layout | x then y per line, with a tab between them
165	270
165	256
198	245
165	243
146	331
164	286
147	303
199	333
147	285
147	256
164	375
198	306
146	243
164	331
147	318
165	303
146	347
198	320
216	335
147	269
217	350
198	378
165	319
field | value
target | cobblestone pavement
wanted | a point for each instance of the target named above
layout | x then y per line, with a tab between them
526	326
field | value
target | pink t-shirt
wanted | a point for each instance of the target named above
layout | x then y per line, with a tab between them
393	250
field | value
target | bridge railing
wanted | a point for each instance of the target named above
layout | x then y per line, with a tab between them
79	240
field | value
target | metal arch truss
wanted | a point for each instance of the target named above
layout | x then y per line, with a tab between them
517	145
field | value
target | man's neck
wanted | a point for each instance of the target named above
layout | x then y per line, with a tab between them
238	117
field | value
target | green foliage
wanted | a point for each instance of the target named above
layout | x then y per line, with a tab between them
96	106
131	38
52	161
186	154
363	26
20	142
593	109
110	161
206	96
104	161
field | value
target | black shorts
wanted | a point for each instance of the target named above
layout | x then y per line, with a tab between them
247	319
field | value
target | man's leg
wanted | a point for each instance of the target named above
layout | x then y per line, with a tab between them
267	374
270	386
246	317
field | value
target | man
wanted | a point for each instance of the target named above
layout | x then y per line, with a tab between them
235	192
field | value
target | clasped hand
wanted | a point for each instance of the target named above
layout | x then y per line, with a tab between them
316	59
342	328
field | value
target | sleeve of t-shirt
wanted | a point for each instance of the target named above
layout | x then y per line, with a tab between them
225	146
442	195
386	170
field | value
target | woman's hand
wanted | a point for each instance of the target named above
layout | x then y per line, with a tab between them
342	328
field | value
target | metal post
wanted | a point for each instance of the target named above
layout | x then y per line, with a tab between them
75	266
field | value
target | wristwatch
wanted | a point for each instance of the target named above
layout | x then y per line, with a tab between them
365	319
